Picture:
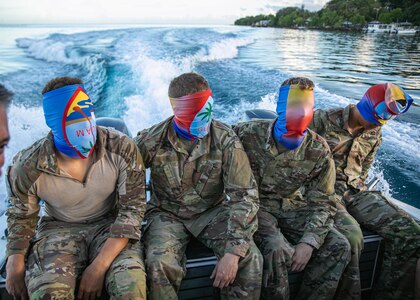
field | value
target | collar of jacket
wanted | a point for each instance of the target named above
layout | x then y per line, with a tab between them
201	148
47	159
271	145
344	123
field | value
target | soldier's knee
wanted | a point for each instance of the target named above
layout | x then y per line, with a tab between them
52	290
163	264
255	255
355	239
127	280
339	247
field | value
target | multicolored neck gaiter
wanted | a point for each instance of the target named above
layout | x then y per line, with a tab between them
383	102
295	109
69	113
193	114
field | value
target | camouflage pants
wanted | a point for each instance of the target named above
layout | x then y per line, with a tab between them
376	212
62	250
349	286
166	239
322	273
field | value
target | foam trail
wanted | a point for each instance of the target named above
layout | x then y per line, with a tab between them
227	48
151	104
52	50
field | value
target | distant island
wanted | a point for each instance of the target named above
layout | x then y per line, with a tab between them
339	14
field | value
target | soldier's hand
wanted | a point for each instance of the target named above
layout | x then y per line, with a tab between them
301	257
92	282
15	281
225	271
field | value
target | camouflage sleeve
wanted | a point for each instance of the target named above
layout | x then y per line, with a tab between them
320	196
131	193
318	122
140	141
367	163
242	197
22	213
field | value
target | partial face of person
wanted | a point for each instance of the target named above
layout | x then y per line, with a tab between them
4	135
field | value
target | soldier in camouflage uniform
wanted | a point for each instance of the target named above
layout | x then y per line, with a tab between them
202	187
94	203
295	175
354	135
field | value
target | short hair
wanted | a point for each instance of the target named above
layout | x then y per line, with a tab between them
5	96
59	82
303	83
187	84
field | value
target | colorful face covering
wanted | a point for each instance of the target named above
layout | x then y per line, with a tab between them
69	113
383	102
295	109
193	114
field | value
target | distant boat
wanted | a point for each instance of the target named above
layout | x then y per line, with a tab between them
377	27
405	28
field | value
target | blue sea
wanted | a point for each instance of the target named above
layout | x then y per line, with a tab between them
127	69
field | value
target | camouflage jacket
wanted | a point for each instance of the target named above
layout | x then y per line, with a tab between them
353	155
124	200
194	187
302	178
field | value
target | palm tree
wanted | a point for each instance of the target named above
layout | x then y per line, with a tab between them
207	113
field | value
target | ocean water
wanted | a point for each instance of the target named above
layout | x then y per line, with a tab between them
127	69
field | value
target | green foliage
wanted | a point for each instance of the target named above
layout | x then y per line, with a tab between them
335	12
251	20
395	15
358	19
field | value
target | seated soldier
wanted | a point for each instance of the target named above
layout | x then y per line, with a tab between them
91	180
5	98
202	187
354	135
295	174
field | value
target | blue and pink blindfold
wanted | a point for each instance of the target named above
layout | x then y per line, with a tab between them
383	102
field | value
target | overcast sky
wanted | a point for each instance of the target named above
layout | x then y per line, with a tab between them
140	11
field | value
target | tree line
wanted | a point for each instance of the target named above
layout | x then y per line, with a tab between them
339	13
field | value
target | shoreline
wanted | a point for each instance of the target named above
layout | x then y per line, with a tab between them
328	29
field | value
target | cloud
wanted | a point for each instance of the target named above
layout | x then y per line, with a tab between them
134	11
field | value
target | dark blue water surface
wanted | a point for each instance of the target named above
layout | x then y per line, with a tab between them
127	71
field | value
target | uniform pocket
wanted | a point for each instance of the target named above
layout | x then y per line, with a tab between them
35	261
204	177
163	176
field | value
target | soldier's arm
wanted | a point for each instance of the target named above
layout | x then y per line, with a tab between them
22	213
242	194
318	122
367	163
320	196
140	141
131	193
